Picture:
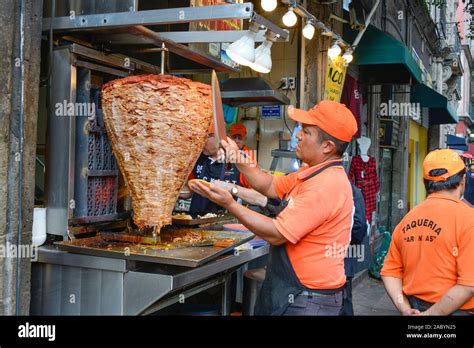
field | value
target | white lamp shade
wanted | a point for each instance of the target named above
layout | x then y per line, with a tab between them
269	5
334	51
289	18
242	51
263	58
308	31
348	57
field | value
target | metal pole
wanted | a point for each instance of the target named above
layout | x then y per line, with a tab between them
20	164
163	56
367	22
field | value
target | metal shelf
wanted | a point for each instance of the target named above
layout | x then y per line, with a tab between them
126	31
150	17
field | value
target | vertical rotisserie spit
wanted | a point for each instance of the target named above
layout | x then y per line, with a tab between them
157	125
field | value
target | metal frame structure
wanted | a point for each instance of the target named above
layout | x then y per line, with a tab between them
133	30
108	286
150	17
69	84
303	12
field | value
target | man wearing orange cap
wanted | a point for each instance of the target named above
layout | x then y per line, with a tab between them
238	133
305	271
430	263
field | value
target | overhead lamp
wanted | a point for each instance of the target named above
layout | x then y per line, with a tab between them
269	5
290	18
334	51
308	30
347	56
263	58
263	54
242	51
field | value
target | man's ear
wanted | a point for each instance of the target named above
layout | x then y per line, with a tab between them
462	186
329	147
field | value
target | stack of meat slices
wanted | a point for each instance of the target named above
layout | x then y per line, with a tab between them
158	125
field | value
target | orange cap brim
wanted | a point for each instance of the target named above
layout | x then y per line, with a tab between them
242	134
453	170
299	115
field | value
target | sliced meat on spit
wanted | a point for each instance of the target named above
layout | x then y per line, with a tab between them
157	125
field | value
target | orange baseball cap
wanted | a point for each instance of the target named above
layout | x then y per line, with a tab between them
442	159
238	129
332	117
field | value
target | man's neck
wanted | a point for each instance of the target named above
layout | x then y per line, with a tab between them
453	194
214	157
329	158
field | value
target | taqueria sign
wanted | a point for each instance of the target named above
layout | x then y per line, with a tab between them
336	74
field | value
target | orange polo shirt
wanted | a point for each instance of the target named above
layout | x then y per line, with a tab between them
317	224
432	249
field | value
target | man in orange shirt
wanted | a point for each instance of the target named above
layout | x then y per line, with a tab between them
309	237
238	133
430	263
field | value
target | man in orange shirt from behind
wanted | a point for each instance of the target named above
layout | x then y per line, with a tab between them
430	263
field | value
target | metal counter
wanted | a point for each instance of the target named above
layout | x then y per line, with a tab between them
73	284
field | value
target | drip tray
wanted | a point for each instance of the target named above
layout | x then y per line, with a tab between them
183	247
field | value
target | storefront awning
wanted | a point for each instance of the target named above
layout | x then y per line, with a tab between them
441	111
384	60
456	143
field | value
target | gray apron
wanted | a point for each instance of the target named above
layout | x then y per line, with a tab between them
281	284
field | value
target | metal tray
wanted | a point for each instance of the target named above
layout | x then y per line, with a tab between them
186	256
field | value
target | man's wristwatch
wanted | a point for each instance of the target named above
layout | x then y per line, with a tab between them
234	191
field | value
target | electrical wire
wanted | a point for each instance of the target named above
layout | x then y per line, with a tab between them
284	118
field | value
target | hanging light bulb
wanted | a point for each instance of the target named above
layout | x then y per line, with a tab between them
290	19
334	51
347	56
242	51
269	5
308	30
263	57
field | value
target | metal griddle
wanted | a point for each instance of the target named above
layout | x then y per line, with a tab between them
185	256
195	221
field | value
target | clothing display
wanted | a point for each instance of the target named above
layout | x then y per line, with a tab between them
352	98
364	176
